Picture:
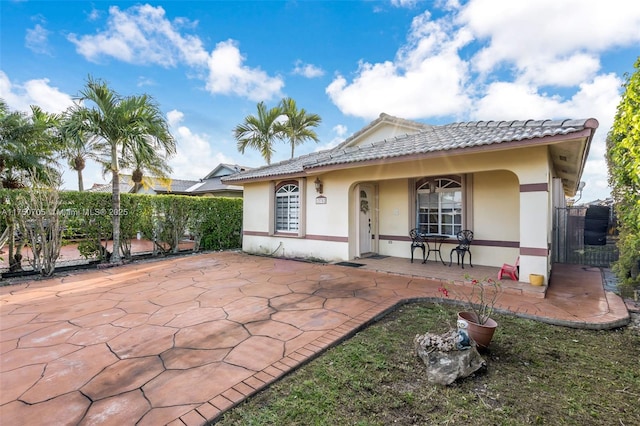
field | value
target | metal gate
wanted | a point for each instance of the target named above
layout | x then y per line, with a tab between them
569	239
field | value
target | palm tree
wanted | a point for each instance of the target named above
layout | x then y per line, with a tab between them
259	131
27	147
77	148
123	127
10	122
145	161
28	144
298	124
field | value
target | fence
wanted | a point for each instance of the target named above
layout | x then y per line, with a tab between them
569	239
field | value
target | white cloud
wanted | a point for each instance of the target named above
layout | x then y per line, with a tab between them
531	35
33	92
340	131
307	70
524	51
37	39
513	101
93	15
228	75
145	81
195	157
560	71
174	117
143	35
427	77
597	98
404	3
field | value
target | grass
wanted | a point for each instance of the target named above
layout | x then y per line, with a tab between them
536	374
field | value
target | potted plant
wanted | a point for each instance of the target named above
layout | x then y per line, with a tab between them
480	304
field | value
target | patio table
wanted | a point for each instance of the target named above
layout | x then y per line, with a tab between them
434	242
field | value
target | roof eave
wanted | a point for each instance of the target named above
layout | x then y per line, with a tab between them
493	147
591	125
309	169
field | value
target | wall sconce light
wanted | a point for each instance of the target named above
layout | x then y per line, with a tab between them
318	183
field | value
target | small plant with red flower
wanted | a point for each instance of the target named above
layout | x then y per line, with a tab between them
482	299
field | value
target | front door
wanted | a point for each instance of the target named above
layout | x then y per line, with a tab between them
366	204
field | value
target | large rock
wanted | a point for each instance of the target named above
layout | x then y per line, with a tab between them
448	357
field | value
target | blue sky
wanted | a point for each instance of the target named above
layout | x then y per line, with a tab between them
208	63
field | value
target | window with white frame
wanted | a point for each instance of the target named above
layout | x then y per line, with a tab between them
287	207
439	205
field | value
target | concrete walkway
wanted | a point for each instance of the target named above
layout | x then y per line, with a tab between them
181	340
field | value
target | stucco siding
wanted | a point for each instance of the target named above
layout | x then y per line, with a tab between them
328	219
501	214
394	207
329	251
255	209
496	206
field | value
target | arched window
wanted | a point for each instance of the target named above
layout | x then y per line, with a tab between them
439	205
287	207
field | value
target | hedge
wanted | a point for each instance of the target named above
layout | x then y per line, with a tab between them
214	223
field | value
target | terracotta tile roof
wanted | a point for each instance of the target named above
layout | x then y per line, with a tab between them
449	137
386	118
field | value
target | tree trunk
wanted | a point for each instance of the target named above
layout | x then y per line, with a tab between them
115	205
11	244
80	181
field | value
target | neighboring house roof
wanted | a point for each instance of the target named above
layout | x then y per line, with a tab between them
176	186
224	169
107	187
212	185
212	182
456	138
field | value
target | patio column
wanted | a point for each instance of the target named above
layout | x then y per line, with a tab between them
535	225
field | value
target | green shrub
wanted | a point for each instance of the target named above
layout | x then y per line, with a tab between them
213	223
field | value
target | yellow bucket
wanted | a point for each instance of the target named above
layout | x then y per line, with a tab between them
536	279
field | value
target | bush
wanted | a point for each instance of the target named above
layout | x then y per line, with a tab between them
213	223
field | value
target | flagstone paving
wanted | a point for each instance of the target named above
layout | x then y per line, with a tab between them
181	340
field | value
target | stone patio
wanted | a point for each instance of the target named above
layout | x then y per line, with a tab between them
179	341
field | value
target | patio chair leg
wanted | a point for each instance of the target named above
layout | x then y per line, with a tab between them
423	253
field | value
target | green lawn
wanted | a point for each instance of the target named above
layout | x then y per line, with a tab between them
536	374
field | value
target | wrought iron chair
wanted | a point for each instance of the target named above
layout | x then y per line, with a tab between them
465	238
417	242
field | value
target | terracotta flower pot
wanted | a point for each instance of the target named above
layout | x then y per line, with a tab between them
480	333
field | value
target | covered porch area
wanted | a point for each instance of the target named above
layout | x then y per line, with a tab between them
436	271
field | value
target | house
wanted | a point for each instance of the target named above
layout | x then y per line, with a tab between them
501	179
209	186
